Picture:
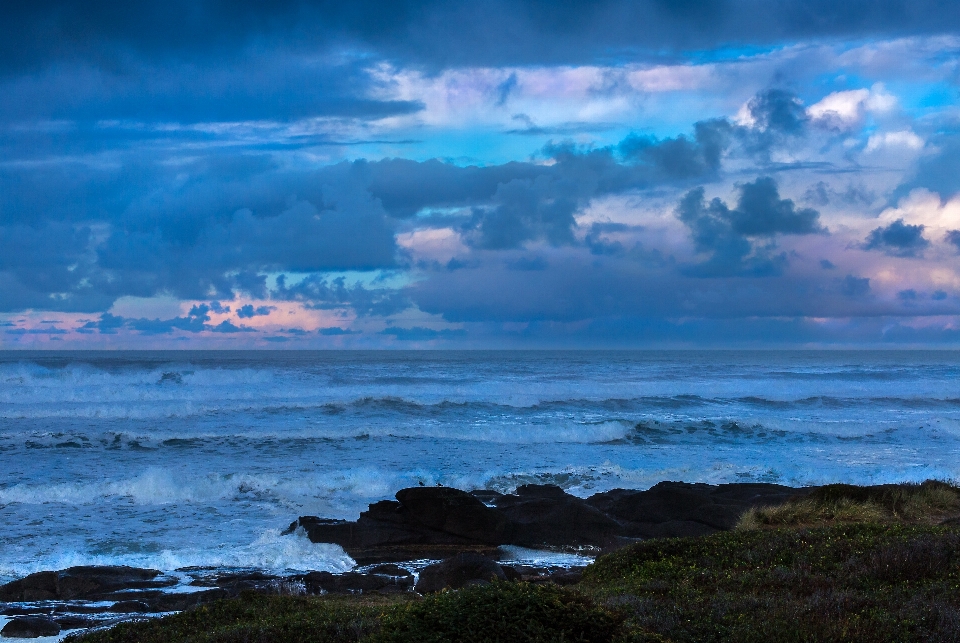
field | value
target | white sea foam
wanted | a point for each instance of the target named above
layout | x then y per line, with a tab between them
270	551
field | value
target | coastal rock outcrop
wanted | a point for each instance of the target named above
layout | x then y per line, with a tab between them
82	583
439	522
30	627
459	571
686	509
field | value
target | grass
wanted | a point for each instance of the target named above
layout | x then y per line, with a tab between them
928	503
502	613
256	618
844	564
851	583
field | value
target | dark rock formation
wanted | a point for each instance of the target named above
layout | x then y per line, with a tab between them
452	511
30	627
390	531
545	516
685	509
460	571
129	607
437	522
87	583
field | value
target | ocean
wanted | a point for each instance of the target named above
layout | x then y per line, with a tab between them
200	459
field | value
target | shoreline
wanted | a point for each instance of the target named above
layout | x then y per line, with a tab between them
436	537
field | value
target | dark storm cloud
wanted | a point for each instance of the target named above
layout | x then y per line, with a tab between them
440	33
854	286
194	321
898	239
248	311
320	292
723	233
217	223
336	330
580	287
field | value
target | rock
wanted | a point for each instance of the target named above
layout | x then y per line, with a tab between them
454	512
544	515
388	531
354	583
685	509
390	570
439	522
129	607
74	622
486	496
30	627
459	571
183	601
85	583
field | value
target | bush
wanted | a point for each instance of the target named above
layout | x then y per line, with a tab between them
504	613
252	618
927	503
851	583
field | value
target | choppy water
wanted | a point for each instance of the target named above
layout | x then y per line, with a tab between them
170	459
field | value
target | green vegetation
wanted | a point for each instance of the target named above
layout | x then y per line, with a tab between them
502	613
862	583
256	618
928	503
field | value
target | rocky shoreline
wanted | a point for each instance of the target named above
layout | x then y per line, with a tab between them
436	522
465	531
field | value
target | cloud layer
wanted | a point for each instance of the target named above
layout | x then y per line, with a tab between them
316	174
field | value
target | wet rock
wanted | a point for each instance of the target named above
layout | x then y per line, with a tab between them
439	522
686	509
75	622
129	607
183	601
544	515
460	571
488	497
386	532
30	627
454	512
389	569
355	583
85	582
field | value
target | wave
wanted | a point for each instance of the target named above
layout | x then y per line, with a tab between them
270	551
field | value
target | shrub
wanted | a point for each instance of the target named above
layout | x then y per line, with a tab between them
252	618
853	583
926	503
502	612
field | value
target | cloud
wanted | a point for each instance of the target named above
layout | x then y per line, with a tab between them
419	333
248	311
854	287
336	330
898	239
227	327
723	233
497	32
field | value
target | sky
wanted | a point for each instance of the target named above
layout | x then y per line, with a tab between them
486	174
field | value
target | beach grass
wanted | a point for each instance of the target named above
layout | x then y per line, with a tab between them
855	583
929	503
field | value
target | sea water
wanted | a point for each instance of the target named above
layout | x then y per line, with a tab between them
184	459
